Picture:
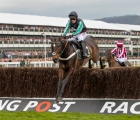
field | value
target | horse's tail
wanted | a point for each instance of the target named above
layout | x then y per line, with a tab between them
101	64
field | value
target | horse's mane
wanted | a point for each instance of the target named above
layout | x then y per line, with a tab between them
108	53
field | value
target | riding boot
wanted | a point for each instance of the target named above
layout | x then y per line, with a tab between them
125	64
85	55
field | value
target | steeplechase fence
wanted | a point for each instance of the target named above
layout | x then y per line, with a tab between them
122	83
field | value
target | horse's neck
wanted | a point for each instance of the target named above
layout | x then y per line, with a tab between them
66	50
113	63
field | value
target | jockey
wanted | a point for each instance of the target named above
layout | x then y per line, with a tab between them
121	53
79	30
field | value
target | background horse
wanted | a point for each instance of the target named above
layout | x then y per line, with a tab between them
108	57
64	53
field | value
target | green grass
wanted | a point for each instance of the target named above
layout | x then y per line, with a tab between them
4	115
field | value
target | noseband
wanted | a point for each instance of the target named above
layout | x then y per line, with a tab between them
54	44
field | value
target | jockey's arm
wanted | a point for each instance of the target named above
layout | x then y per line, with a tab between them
67	28
79	29
113	51
123	52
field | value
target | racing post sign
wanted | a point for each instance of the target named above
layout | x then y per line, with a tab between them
103	106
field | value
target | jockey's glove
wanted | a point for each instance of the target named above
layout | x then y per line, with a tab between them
70	36
64	36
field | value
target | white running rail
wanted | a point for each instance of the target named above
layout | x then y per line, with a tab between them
134	62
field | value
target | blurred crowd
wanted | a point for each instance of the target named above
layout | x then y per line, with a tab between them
32	55
39	55
61	29
41	40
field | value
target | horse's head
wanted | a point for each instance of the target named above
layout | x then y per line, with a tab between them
108	55
57	46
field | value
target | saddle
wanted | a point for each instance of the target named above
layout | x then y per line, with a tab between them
76	46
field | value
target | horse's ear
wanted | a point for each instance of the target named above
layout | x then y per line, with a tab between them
113	55
60	38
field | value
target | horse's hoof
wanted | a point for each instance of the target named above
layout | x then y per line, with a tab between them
59	99
56	102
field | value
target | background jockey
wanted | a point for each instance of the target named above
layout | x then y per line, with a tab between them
121	53
79	30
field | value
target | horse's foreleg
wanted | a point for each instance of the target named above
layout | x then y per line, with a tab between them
58	88
103	60
61	76
64	83
62	88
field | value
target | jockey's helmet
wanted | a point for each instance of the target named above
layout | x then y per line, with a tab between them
119	44
73	14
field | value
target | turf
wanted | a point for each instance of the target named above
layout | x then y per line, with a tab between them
30	115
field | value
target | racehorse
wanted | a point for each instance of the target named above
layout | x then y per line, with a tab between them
64	53
108	57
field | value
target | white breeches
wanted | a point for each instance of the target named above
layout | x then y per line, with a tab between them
80	37
121	60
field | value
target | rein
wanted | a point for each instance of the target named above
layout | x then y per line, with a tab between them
70	56
64	47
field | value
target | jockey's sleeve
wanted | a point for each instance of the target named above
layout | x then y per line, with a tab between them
79	29
114	51
67	28
123	52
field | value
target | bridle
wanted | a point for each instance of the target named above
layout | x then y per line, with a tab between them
54	44
67	52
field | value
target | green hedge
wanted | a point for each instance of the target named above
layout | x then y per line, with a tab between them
85	83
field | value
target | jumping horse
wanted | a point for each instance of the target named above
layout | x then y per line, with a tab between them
65	53
109	58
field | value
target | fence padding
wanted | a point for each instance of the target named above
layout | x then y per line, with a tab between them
85	83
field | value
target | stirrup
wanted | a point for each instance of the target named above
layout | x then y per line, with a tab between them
85	55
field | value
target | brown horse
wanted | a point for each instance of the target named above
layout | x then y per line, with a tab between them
64	53
111	60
